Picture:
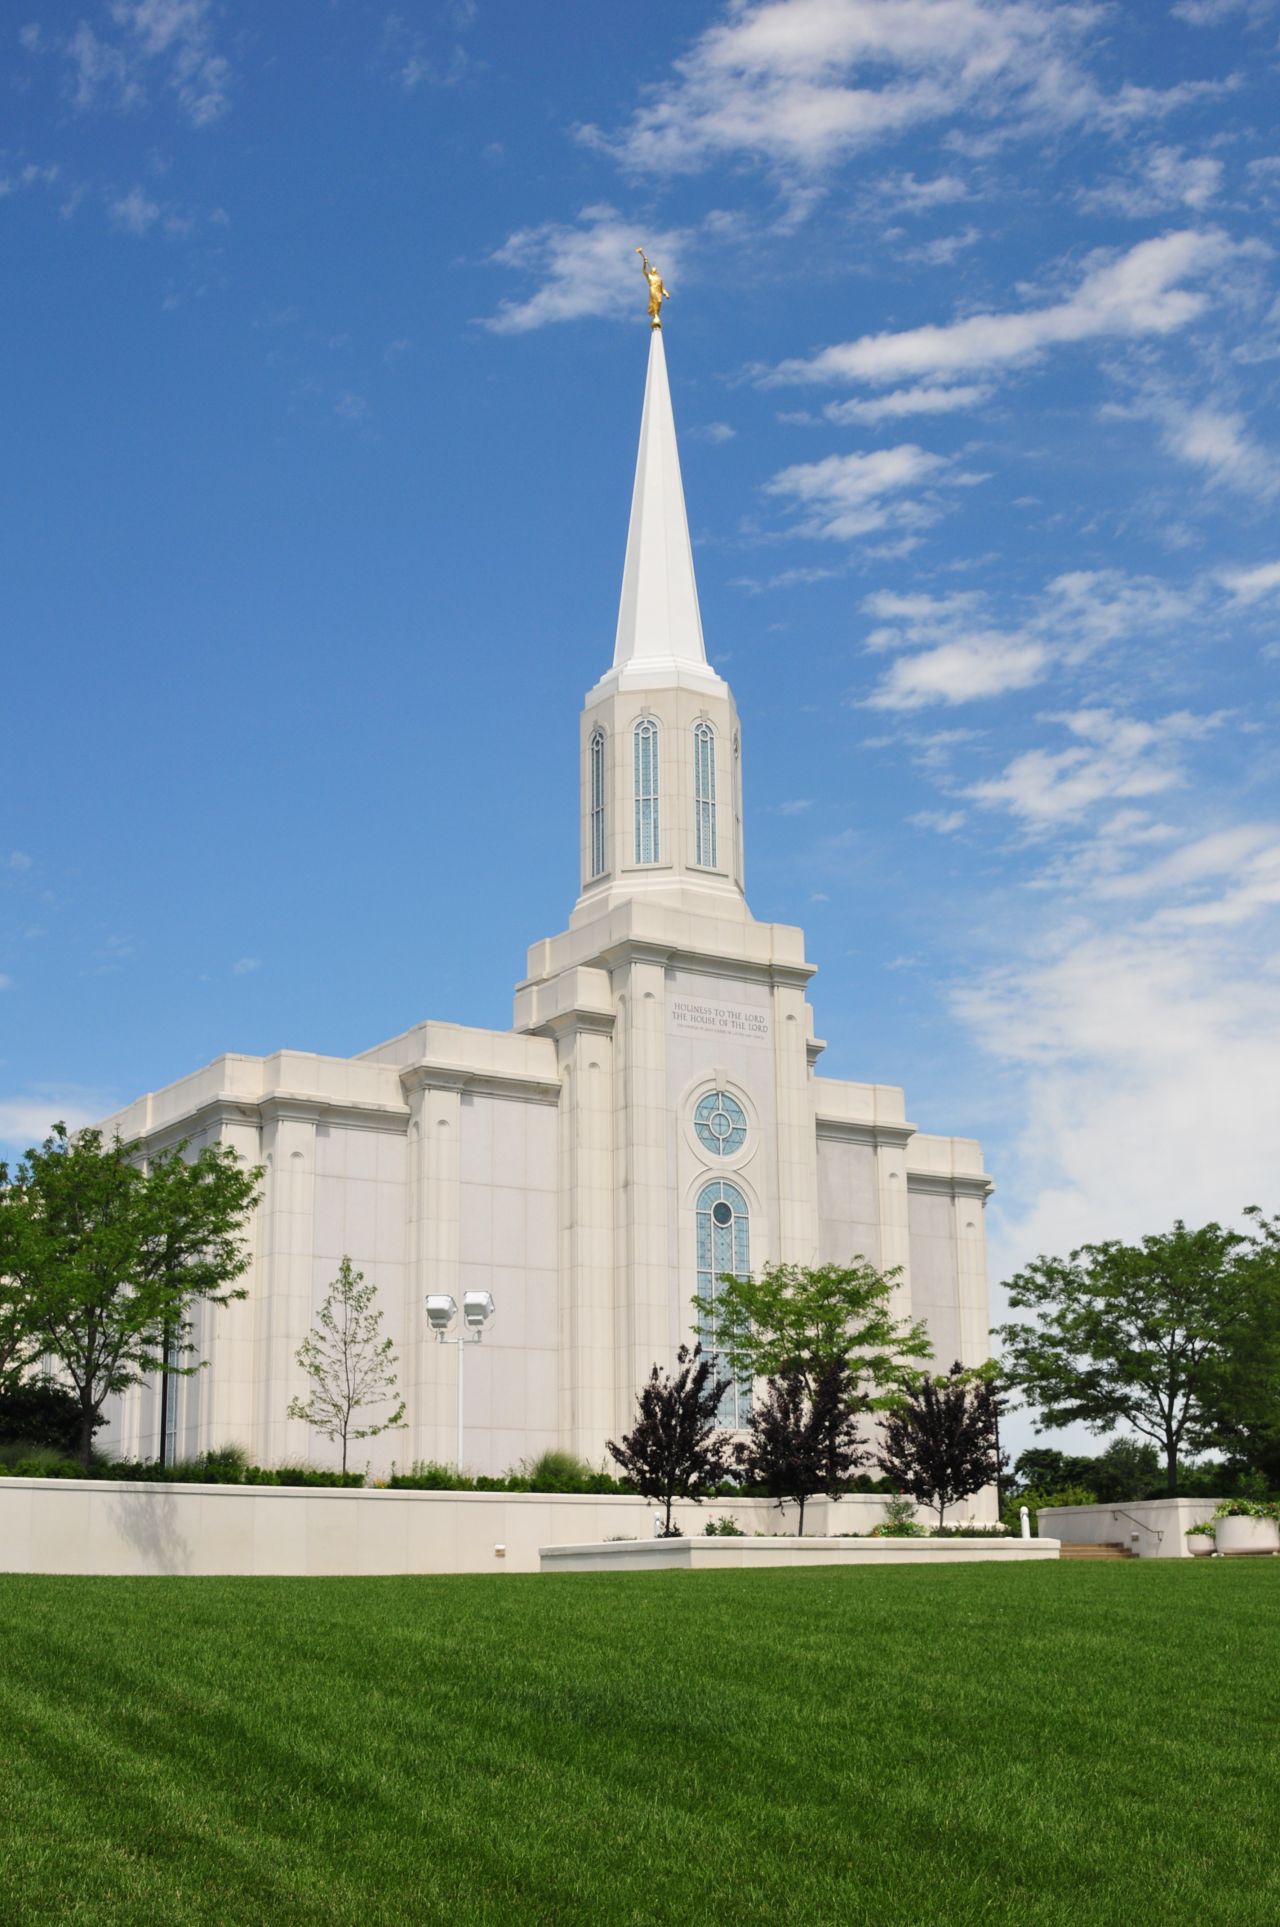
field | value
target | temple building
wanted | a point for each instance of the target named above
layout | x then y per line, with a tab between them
653	1118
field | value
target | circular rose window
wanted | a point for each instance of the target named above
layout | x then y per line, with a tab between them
721	1123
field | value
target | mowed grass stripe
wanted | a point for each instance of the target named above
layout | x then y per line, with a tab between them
1031	1744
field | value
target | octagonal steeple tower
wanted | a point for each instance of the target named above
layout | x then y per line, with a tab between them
661	768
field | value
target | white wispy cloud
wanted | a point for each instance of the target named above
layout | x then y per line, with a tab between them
583	268
134	212
844	496
1147	1075
945	822
1251	585
1159	181
27	1118
1225	878
964	656
969	669
245	966
1111	757
1215	13
415	59
168	40
798	85
926	398
1140	292
1218	441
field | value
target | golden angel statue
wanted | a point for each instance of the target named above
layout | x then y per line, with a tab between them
658	291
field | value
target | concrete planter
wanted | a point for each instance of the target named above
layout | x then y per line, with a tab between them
1199	1545
1237	1537
720	1555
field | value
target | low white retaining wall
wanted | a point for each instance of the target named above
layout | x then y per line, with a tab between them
114	1526
714	1555
1153	1528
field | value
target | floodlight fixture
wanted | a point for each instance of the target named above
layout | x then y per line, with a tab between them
477	1310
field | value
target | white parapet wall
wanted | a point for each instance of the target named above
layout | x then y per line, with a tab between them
717	1555
135	1529
1152	1528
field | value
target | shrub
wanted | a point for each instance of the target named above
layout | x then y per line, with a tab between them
431	1475
970	1532
37	1413
725	1527
314	1475
899	1521
43	1462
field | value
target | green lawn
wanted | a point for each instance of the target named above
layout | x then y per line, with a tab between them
1026	1744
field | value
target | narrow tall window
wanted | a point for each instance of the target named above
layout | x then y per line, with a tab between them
597	802
646	786
704	795
724	1245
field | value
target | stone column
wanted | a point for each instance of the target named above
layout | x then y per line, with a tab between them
228	1401
972	1314
891	1197
430	1369
585	1050
641	1243
797	1232
284	1306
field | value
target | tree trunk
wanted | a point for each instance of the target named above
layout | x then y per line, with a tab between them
344	1455
942	1508
667	1527
87	1416
802	1515
1171	1463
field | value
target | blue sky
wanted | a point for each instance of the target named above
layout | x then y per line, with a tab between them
323	349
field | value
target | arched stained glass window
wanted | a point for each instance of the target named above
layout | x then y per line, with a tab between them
597	802
721	1123
724	1245
648	844
704	794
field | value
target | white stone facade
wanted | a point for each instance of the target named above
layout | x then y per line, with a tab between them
560	1165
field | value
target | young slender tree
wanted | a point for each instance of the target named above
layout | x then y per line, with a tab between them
797	1319
349	1362
1143	1335
804	1443
674	1450
110	1256
940	1443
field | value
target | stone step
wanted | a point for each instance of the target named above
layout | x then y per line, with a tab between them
1096	1552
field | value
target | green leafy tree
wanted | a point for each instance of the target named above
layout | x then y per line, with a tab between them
673	1451
109	1257
804	1443
940	1443
1139	1335
1240	1407
349	1362
797	1320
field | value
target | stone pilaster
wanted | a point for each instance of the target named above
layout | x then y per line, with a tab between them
430	1369
283	1309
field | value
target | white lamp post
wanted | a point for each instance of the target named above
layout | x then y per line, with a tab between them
477	1310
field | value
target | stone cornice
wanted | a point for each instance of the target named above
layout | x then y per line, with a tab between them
524	1087
870	1131
952	1184
711	963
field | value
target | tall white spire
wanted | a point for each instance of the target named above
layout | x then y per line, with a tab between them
659	627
